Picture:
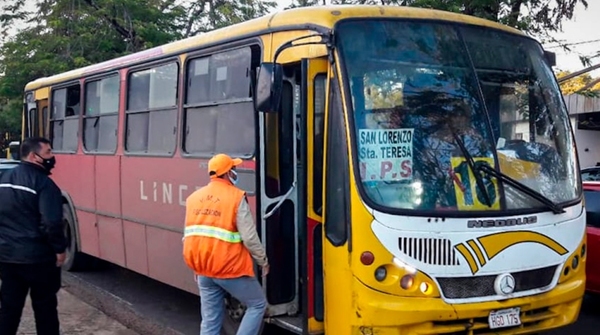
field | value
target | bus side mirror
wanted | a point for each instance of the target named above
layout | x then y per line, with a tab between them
267	96
550	58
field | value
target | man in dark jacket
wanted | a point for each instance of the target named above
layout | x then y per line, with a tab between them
32	240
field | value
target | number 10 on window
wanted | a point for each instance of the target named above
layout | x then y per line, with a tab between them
468	195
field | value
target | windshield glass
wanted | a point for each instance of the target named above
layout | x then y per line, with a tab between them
417	86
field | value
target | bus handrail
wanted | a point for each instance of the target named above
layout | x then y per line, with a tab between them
281	200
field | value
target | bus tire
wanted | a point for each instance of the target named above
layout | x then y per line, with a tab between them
75	259
234	311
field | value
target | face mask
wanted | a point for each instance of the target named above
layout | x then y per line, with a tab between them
49	163
235	180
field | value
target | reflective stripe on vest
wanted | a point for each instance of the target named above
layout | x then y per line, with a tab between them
214	232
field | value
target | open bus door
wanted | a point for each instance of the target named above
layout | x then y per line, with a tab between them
291	164
36	114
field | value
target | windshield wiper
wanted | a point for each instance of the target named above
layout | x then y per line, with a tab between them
476	167
556	208
473	166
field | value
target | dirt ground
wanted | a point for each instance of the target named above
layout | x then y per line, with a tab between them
76	317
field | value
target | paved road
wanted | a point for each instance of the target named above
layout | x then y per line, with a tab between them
179	311
76	318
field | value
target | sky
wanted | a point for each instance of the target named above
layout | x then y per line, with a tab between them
580	29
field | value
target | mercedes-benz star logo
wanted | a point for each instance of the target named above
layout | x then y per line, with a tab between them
505	284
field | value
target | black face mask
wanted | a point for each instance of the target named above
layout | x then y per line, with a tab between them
48	164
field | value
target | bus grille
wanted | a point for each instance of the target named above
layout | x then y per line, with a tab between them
483	286
434	251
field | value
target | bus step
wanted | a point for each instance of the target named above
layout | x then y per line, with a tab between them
290	323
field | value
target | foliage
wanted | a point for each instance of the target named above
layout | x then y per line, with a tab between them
60	35
305	3
540	18
10	121
584	84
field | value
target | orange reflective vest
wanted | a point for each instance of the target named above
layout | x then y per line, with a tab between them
212	245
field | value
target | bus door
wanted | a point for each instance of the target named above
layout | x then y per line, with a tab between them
314	88
36	114
280	168
42	106
31	116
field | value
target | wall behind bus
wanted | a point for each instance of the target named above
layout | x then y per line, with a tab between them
588	140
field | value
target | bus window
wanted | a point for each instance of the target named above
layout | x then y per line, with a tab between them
101	115
152	110
337	175
219	114
33	120
319	124
64	123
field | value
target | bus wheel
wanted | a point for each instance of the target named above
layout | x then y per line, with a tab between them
234	311
74	260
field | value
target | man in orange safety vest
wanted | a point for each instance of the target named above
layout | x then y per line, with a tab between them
220	241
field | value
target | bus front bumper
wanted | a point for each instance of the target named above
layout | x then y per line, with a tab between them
384	314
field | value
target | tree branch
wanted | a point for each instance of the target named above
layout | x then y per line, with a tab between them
192	16
126	33
515	11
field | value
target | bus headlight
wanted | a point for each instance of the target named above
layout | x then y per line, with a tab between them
425	288
407	282
575	262
398	277
380	273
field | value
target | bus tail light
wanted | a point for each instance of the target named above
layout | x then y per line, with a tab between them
367	258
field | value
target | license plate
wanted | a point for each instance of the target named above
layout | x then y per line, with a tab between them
505	318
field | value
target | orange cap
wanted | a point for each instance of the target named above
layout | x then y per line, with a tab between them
221	164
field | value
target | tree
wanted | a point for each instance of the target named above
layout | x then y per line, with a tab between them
10	120
539	18
60	35
305	3
207	15
584	84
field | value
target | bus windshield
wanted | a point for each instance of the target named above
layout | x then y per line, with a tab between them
420	90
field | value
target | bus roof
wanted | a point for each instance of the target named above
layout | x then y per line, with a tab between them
298	18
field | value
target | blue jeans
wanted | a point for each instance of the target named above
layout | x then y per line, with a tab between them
247	290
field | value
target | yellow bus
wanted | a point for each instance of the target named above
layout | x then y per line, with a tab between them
411	171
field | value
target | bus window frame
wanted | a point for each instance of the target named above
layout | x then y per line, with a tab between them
25	117
99	77
142	67
336	223
253	42
319	157
64	85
